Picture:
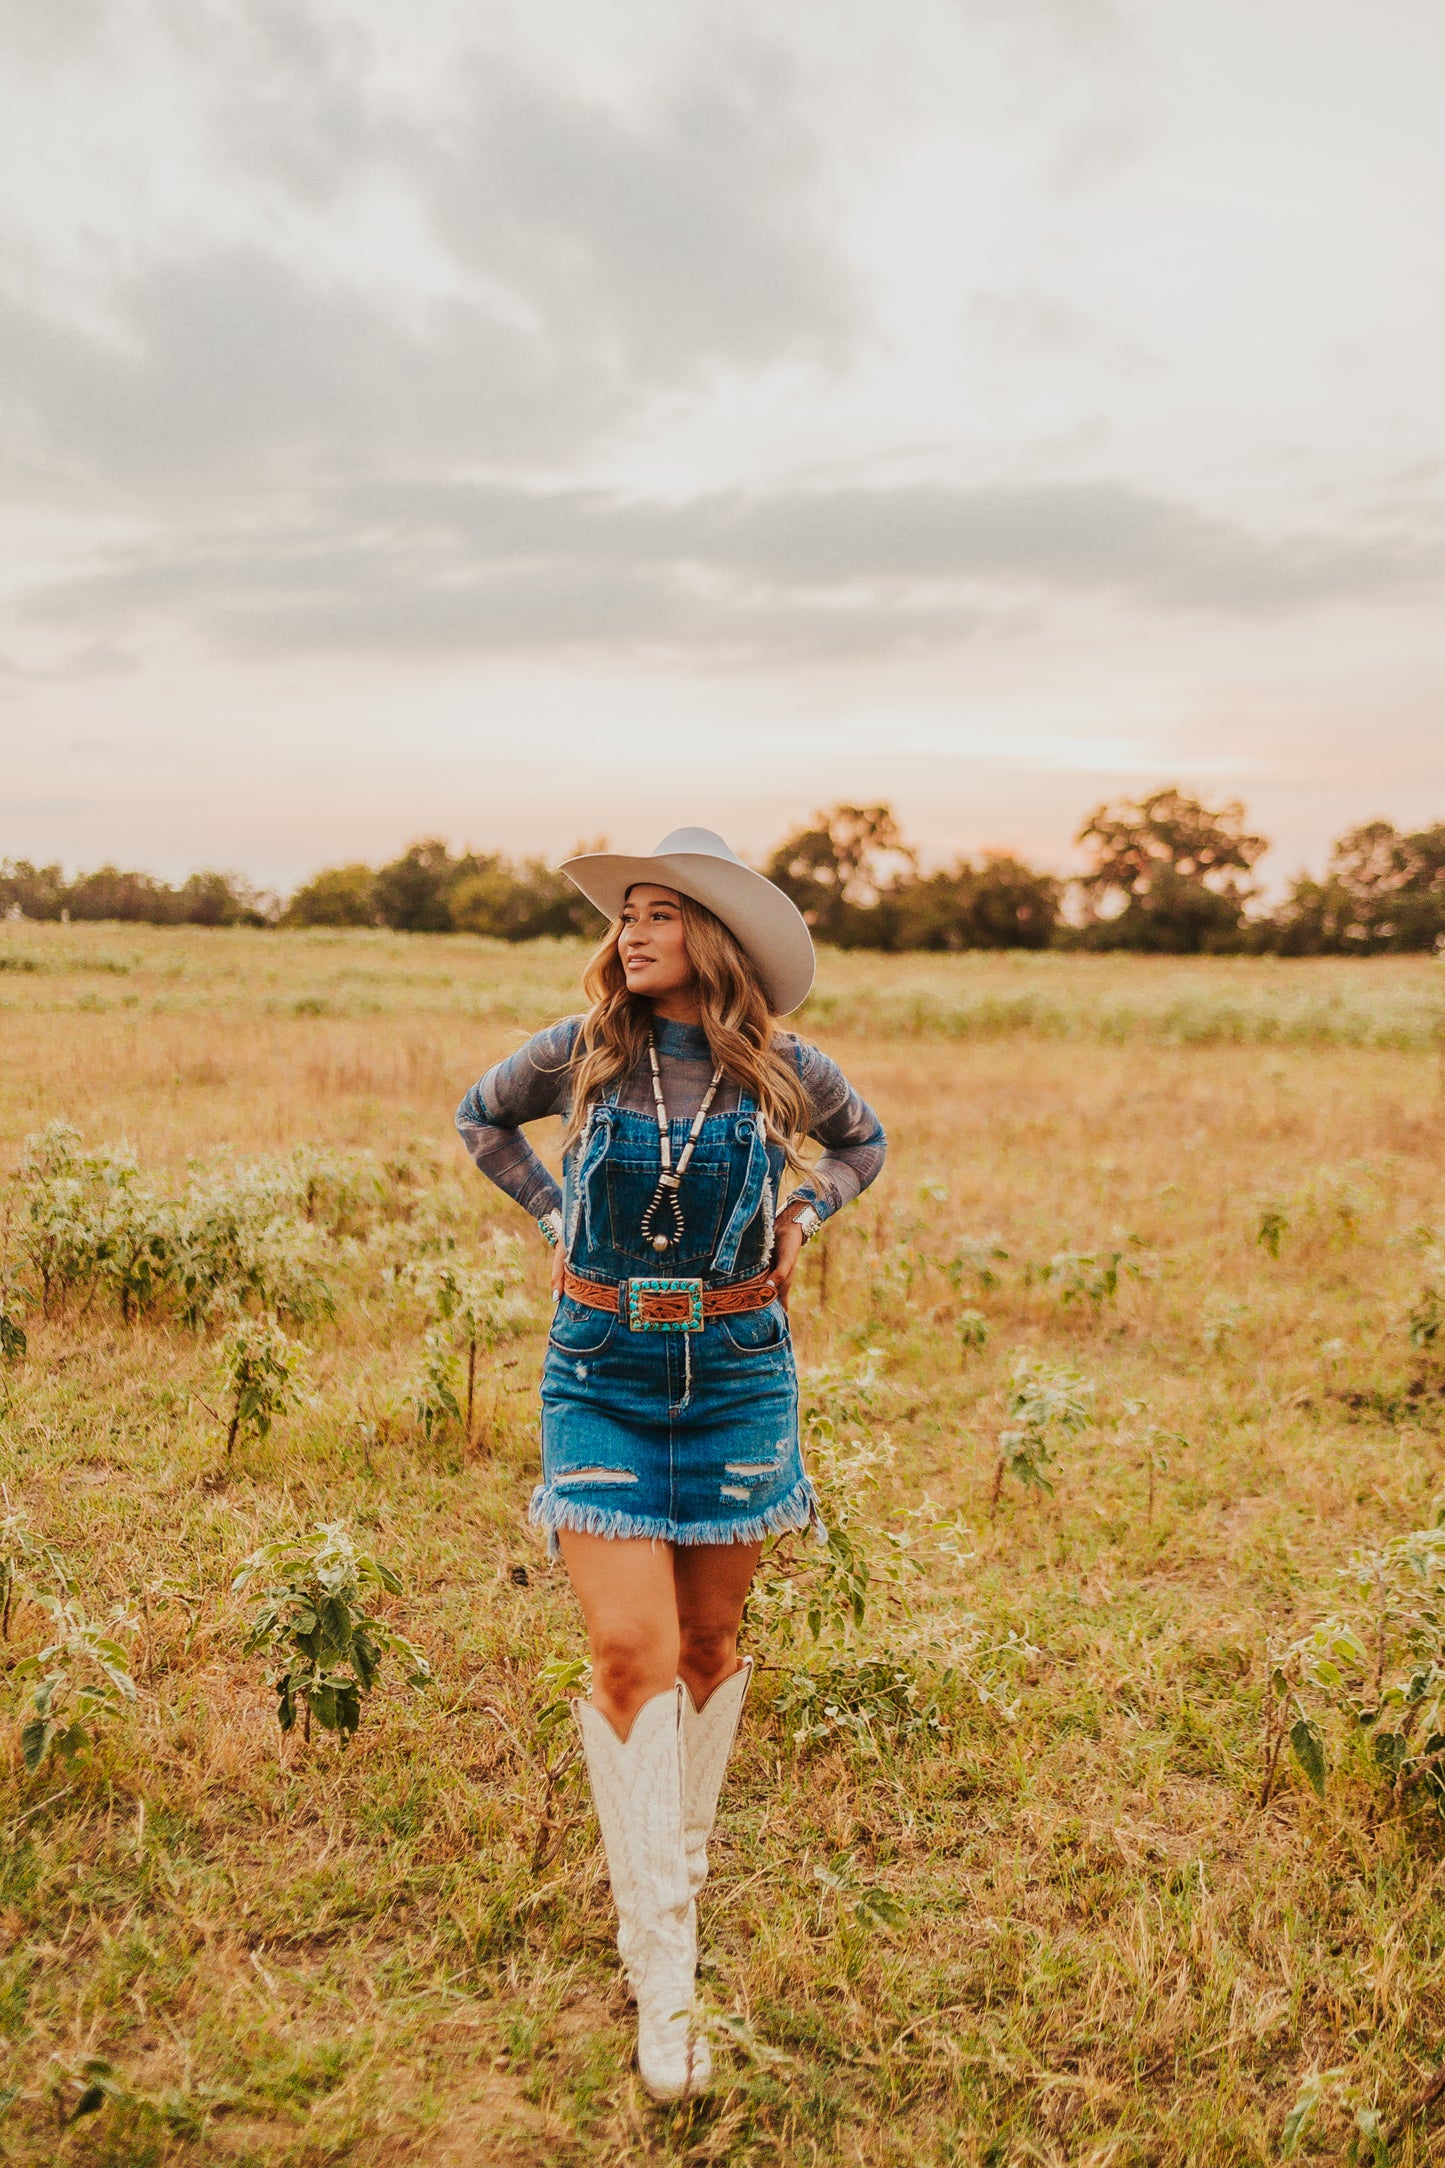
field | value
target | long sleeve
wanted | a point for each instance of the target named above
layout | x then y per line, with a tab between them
526	1087
847	1128
536	1081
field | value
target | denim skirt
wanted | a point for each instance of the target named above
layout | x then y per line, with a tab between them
688	1437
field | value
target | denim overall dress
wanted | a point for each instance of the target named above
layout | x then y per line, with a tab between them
685	1432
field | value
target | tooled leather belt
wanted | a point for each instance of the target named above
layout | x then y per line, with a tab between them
672	1305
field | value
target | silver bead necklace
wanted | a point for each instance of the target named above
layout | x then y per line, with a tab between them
665	1197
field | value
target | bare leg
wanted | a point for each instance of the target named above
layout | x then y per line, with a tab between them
712	1582
629	1603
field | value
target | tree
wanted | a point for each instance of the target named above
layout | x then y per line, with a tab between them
1383	892
338	896
222	899
835	870
110	894
1169	874
203	899
1001	903
412	892
33	891
520	902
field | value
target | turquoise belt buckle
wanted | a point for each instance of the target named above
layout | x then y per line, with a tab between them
636	1322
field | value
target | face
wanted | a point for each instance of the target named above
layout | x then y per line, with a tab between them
651	945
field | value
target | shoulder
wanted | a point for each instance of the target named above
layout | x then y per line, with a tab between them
535	1078
554	1046
820	1076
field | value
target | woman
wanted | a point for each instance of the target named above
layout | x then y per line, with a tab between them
669	1398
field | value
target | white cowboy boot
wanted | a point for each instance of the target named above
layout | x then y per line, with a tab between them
707	1736
637	1790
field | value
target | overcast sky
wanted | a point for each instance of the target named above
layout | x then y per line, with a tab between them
524	422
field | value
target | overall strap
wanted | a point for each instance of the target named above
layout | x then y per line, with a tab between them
748	1125
591	1152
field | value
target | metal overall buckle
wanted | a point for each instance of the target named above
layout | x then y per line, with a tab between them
692	1322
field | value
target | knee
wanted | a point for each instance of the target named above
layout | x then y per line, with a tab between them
708	1655
624	1667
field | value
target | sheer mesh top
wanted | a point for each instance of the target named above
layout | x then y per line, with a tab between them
536	1081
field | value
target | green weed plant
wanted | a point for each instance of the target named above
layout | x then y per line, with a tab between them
315	1625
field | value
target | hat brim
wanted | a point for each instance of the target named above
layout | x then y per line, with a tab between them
765	922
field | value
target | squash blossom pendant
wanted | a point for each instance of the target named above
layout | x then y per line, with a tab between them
666	1204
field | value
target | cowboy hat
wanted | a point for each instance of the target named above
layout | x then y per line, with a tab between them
699	864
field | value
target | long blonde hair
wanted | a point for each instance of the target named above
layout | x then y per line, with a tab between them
741	1029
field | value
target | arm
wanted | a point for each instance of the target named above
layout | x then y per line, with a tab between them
533	1082
853	1147
848	1130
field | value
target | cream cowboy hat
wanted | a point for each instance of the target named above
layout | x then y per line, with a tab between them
699	864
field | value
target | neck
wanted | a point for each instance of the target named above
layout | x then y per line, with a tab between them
682	1007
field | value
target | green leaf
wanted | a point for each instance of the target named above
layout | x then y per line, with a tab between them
875	1908
367	1658
35	1739
1302	2113
1309	1751
348	1712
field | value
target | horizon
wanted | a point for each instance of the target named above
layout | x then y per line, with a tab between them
1267	892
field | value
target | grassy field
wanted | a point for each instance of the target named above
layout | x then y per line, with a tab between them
994	1882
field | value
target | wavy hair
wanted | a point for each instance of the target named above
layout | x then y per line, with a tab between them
741	1029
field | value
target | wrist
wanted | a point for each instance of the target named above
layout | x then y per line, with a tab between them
803	1215
549	1226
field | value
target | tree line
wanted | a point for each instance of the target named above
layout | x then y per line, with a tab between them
1164	874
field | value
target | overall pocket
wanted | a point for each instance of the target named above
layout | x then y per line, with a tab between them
630	1184
577	1329
757	1332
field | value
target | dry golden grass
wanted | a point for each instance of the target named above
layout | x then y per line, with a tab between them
1103	1951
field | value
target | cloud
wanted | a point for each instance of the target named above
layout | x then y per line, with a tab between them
233	367
502	568
582	258
685	235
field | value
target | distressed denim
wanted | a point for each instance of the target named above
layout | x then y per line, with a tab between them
691	1437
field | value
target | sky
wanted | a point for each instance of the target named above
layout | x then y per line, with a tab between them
540	421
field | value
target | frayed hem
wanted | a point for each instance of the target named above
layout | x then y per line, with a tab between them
548	1510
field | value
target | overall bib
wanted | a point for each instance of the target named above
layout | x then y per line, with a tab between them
689	1435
